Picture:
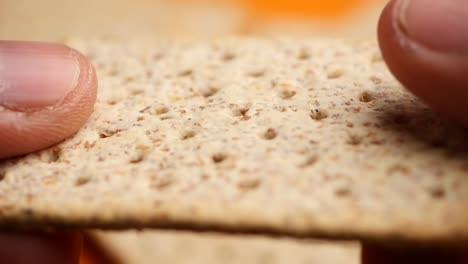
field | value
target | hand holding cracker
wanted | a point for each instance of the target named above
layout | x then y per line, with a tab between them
423	43
47	92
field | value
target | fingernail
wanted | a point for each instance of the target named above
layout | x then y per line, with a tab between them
436	24
36	75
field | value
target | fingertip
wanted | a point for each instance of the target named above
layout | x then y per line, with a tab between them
435	73
46	103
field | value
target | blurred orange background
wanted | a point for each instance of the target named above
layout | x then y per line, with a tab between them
57	19
302	8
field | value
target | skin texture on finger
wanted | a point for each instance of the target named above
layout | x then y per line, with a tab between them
40	248
27	130
438	77
373	254
436	71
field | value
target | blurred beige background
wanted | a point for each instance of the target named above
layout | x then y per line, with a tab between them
170	247
58	19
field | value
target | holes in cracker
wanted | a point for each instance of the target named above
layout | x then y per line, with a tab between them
342	192
257	73
145	110
366	97
161	183
141	152
318	114
242	111
52	155
166	118
89	145
269	134
209	91
335	74
287	88
55	154
160	110
303	55
228	57
155	110
137	158
219	157
185	73
354	139
188	134
309	162
82	181
437	193
287	94
109	133
248	184
136	91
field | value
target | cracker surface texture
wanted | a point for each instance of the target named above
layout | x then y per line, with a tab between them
295	137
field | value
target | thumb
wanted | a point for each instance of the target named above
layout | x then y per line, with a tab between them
425	45
47	92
